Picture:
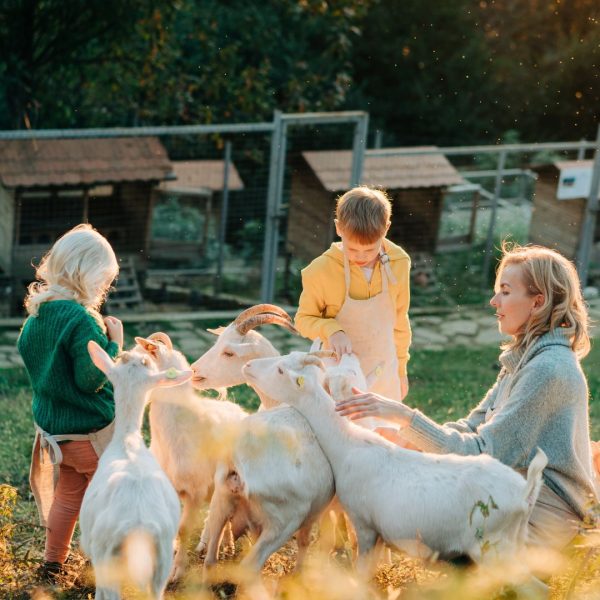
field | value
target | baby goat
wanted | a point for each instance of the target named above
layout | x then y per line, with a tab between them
412	500
130	501
190	433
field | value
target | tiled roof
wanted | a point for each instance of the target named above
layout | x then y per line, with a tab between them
333	168
193	175
73	162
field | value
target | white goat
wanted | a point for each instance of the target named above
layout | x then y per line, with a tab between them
414	501
189	435
130	500
278	479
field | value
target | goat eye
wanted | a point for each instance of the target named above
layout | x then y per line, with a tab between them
228	353
280	370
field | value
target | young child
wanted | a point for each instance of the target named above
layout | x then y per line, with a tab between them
355	296
73	406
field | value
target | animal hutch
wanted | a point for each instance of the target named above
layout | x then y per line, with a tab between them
416	185
559	205
188	210
48	186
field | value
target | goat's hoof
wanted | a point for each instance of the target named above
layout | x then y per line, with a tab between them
201	548
177	573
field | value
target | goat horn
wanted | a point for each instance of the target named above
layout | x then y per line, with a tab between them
261	309
311	359
244	327
159	336
323	353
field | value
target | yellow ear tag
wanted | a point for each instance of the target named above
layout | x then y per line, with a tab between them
171	373
300	381
378	371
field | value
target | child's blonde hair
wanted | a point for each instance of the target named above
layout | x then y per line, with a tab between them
549	273
363	214
80	266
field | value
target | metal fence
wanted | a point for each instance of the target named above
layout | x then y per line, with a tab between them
225	230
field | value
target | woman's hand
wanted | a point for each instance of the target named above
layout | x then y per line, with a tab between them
114	330
368	404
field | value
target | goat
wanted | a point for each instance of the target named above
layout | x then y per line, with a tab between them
414	501
130	500
189	434
278	479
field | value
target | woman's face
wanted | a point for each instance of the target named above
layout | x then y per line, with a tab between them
512	302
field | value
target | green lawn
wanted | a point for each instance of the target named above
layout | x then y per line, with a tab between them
443	384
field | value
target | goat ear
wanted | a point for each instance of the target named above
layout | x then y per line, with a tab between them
217	331
171	377
99	357
147	345
375	374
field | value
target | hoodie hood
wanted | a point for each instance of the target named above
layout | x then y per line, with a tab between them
336	253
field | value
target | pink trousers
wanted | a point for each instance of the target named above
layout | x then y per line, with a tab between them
76	470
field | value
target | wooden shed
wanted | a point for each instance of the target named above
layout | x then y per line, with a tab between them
559	205
416	185
197	185
48	186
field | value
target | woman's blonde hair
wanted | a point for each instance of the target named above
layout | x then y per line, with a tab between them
549	273
80	266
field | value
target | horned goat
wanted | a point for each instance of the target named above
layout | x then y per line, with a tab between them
278	480
189	434
130	501
413	501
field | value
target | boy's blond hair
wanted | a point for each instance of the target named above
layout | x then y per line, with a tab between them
80	266
363	214
549	273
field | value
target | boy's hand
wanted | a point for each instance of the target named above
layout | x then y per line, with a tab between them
114	330
340	343
403	387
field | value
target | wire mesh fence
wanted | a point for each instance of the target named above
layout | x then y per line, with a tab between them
210	216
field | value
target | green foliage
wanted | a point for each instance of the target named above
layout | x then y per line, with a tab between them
173	220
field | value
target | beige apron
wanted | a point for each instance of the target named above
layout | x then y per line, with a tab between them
370	326
46	457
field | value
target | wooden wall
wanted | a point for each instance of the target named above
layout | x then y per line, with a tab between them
416	216
310	228
555	223
7	220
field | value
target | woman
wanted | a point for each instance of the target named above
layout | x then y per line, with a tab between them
540	398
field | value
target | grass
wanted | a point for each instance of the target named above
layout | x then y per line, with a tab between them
444	384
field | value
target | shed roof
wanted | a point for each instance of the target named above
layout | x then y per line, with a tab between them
561	165
333	168
72	162
194	175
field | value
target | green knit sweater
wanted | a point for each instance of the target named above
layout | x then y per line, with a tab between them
70	395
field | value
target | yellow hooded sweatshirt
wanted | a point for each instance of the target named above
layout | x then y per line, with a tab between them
323	293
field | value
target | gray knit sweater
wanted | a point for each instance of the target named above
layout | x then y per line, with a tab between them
541	402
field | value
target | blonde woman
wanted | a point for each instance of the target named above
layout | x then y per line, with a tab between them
73	406
540	398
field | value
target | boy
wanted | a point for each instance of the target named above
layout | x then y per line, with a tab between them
355	296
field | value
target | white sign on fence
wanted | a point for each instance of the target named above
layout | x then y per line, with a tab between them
574	182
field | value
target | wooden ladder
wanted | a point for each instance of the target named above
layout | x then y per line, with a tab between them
126	294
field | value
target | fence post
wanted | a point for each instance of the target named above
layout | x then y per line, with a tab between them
359	146
489	244
276	173
223	223
581	151
591	214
